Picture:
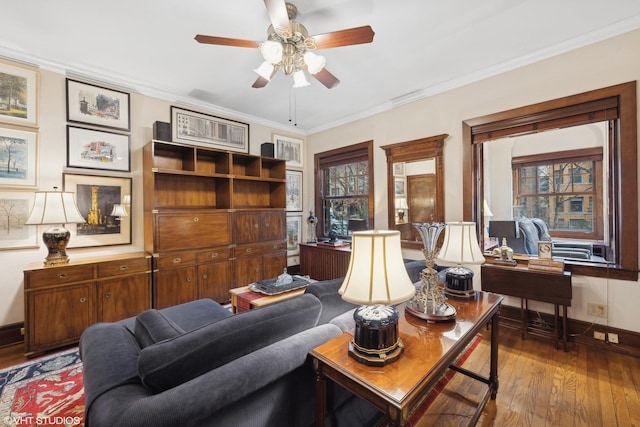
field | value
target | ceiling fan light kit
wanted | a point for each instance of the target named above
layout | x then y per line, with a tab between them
289	47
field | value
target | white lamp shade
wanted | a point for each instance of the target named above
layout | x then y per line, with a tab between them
460	244
119	210
314	62
265	70
126	199
54	207
485	209
401	203
376	273
299	80
271	51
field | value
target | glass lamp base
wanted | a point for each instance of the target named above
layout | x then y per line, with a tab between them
443	312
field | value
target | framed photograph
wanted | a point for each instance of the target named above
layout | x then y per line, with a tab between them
400	187
18	94
97	105
95	198
18	158
545	250
289	149
97	149
398	169
294	233
192	127
15	208
294	190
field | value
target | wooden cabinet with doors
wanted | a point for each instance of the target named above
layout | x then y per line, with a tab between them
213	219
62	301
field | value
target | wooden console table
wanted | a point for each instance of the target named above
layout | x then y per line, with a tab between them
323	262
430	350
526	284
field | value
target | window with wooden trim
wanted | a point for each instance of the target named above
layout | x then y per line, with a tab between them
344	189
566	191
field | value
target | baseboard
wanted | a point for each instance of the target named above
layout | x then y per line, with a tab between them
579	331
11	334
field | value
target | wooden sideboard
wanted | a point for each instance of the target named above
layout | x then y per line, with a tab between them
324	262
527	284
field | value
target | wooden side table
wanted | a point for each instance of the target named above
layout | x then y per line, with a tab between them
398	388
553	288
324	262
244	299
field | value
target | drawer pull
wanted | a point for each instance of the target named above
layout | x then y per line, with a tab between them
247	251
256	225
62	276
196	219
177	260
214	255
124	268
83	299
188	279
204	276
107	295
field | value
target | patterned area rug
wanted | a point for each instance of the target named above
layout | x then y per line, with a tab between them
43	392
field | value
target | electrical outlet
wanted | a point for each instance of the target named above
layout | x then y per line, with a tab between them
613	338
599	335
597	309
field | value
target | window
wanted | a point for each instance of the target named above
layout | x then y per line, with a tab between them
567	204
344	180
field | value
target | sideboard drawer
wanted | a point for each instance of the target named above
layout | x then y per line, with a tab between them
125	266
191	230
176	260
59	275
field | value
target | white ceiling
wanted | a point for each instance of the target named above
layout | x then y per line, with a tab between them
421	47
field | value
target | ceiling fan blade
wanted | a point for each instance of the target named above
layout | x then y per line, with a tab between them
278	16
326	78
224	41
358	35
262	82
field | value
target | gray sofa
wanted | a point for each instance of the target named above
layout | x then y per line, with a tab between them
196	364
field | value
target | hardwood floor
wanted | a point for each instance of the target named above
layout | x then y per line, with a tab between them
539	386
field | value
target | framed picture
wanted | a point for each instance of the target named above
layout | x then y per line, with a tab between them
97	149
18	94
18	158
95	198
197	128
398	169
97	105
294	190
400	187
15	208
545	250
289	149
294	233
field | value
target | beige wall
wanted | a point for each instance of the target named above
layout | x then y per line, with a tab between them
604	64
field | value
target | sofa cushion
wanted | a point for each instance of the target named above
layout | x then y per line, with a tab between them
179	359
153	326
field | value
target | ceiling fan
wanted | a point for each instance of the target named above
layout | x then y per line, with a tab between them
290	48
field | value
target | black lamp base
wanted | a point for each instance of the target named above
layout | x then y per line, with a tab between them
459	282
375	338
56	240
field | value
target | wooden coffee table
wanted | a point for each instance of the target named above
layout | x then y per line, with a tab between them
243	299
430	350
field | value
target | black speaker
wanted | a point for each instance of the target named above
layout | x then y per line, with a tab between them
162	131
266	149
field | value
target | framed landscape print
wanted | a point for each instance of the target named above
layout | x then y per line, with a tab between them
18	94
15	208
289	149
192	127
97	105
294	190
95	198
97	149
294	233
18	158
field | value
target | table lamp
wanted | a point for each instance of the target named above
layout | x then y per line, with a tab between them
377	279
460	247
401	205
504	230
55	208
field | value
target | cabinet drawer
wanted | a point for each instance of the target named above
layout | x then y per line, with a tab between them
276	246
125	266
59	275
220	254
249	250
192	230
176	260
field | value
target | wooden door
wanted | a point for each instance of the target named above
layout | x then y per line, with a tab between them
273	264
175	286
273	225
214	281
123	297
422	204
248	269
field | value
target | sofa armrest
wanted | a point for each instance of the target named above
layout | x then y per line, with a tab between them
332	303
